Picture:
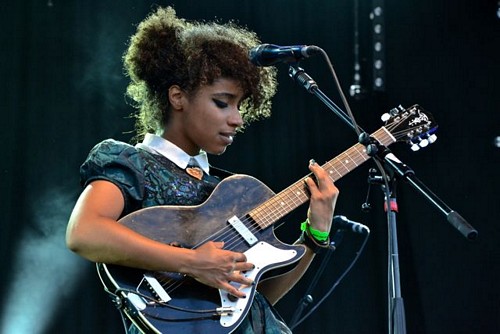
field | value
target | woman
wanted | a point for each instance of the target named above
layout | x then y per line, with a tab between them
195	88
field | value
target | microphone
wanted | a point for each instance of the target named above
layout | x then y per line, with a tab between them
342	222
270	54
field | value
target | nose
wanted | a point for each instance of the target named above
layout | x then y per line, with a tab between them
235	118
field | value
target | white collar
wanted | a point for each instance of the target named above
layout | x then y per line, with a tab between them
173	152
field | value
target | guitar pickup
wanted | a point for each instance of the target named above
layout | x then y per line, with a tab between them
245	233
157	288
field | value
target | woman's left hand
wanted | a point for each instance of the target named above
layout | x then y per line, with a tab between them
324	195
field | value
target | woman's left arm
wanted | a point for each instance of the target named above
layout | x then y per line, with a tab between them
320	215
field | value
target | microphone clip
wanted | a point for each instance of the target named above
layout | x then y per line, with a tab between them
300	76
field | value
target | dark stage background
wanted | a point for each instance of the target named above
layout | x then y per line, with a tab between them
62	92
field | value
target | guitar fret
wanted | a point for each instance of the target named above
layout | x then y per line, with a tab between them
278	206
363	150
295	195
333	169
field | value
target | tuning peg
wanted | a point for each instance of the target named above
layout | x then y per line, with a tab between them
418	143
394	111
385	117
428	140
432	138
423	143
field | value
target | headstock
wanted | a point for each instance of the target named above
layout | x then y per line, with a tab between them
412	125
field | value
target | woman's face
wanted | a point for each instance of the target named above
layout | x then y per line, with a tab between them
208	119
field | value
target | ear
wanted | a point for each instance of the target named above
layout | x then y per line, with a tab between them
176	97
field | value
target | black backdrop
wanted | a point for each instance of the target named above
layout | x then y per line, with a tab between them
62	92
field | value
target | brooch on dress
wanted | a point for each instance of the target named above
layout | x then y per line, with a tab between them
195	172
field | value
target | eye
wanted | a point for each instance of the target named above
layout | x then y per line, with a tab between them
220	103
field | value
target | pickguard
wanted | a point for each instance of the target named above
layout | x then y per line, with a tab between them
262	255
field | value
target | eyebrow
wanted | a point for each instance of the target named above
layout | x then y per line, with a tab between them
225	94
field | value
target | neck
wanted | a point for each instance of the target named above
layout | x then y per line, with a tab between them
172	137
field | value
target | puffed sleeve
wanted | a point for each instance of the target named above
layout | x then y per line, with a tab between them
119	163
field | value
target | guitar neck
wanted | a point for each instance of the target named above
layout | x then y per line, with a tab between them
297	194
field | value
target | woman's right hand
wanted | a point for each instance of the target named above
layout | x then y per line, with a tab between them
216	267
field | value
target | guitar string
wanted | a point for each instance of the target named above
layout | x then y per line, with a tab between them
339	159
263	208
237	240
329	164
275	214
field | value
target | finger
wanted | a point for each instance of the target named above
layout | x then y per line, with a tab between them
233	290
311	183
237	277
318	171
233	267
240	257
313	166
314	180
245	266
313	188
240	267
218	244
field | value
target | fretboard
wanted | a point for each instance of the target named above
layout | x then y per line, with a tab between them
297	194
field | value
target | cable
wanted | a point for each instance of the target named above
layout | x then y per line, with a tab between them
341	277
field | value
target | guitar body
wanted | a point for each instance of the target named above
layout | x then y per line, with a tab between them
190	227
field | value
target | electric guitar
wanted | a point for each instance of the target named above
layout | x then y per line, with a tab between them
241	212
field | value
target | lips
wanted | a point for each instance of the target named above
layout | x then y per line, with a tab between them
228	137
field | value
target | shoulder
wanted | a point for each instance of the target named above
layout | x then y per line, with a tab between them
111	152
111	157
119	163
112	147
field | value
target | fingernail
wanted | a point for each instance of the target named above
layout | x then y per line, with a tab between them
312	162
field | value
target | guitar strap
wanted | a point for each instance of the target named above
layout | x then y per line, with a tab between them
219	173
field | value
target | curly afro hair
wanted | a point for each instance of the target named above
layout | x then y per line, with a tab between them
167	50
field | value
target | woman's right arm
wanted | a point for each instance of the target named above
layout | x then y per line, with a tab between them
94	233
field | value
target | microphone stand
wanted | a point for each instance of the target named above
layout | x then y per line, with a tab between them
395	168
395	309
383	154
299	75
